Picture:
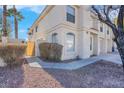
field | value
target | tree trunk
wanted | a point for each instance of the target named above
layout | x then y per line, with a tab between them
120	37
4	35
16	27
15	23
120	45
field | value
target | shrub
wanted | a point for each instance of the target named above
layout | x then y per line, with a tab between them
51	51
12	54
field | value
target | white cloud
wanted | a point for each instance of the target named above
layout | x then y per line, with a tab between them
36	9
22	30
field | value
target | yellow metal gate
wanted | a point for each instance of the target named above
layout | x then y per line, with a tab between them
30	48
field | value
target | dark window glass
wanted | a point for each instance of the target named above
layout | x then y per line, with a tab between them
101	27
36	28
91	43
108	31
70	14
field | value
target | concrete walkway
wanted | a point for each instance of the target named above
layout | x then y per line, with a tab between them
114	57
36	62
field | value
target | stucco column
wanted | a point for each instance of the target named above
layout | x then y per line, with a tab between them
62	41
105	46
97	45
84	45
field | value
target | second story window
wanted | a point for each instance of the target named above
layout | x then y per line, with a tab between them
101	27
70	14
36	29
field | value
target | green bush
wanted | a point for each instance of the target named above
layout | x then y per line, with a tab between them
50	51
12	54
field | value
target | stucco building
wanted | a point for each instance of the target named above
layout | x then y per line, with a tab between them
74	27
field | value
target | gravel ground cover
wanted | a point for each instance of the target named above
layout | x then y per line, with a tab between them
96	75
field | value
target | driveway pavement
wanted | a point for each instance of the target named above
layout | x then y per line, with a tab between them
37	62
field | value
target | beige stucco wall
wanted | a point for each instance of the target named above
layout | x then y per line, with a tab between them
55	22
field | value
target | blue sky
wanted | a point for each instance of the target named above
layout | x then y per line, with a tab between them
30	14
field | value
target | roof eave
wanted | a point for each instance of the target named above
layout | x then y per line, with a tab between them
41	16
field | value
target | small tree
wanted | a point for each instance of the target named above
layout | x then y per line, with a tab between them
107	14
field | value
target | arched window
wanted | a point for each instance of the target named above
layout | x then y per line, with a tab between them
70	41
54	38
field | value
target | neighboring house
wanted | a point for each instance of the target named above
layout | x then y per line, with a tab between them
74	27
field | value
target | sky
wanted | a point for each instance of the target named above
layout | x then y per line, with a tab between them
30	14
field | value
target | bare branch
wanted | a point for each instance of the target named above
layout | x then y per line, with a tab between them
120	18
106	19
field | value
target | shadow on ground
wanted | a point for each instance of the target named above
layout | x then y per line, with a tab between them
97	75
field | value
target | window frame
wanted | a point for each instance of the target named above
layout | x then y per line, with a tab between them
68	15
73	48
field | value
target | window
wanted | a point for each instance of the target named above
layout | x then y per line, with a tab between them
101	27
108	30
70	14
70	42
91	41
54	38
36	29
